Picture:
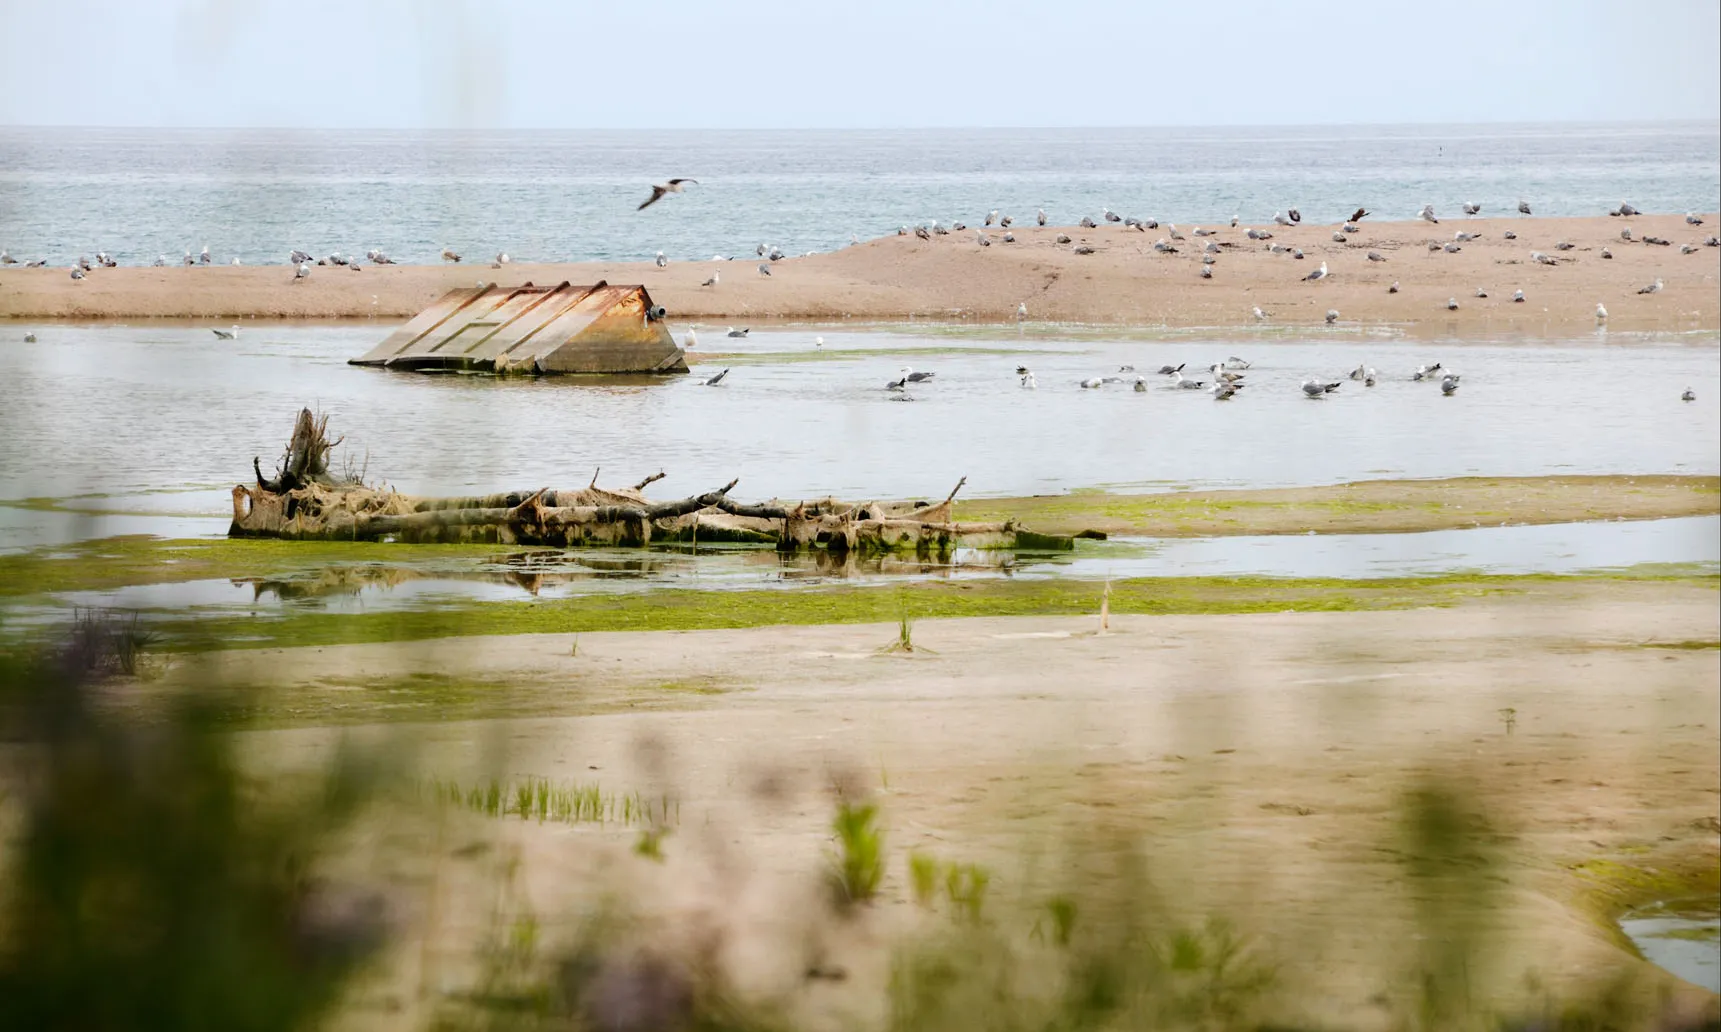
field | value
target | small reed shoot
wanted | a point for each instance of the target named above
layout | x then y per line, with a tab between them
859	865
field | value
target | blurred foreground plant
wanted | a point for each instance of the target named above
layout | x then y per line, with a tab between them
147	886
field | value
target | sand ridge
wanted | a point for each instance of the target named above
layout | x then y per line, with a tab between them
1123	281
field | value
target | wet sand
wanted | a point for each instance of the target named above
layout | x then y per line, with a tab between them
953	277
1262	756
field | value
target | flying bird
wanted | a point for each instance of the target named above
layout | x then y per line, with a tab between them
658	191
1358	215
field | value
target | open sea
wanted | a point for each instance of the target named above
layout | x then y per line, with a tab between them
564	195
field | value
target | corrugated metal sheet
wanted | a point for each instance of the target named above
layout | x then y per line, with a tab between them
559	329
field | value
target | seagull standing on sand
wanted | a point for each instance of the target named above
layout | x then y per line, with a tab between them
203	256
77	273
1427	214
1021	311
1280	219
1601	312
1260	316
659	191
1040	216
764	269
302	273
661	260
1653	288
1318	274
160	261
712	282
1523	207
1332	316
1472	208
1394	288
1518	296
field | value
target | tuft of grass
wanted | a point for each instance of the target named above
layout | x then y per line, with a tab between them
923	876
544	800
965	884
859	865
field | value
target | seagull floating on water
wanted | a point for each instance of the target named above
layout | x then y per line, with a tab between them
1449	384
715	380
225	334
1319	388
1169	370
1689	395
733	332
661	189
1425	372
691	340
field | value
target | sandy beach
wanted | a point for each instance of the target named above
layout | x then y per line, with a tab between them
952	277
1263	776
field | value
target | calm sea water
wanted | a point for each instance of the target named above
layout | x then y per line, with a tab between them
572	195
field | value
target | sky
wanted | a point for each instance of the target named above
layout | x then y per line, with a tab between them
874	64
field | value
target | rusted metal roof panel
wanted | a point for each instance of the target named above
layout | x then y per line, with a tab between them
565	328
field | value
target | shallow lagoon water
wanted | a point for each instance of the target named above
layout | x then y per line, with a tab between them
164	419
549	574
1682	939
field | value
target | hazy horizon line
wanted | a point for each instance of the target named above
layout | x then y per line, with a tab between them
1480	123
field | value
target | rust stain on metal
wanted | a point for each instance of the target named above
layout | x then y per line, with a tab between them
531	329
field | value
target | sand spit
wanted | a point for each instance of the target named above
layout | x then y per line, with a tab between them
1125	280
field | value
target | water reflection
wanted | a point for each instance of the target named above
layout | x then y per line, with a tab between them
544	574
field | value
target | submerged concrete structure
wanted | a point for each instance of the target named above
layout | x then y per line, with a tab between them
532	329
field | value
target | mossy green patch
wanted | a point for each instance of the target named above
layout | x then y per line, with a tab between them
684	609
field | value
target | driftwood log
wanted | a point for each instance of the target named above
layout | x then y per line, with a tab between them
304	501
